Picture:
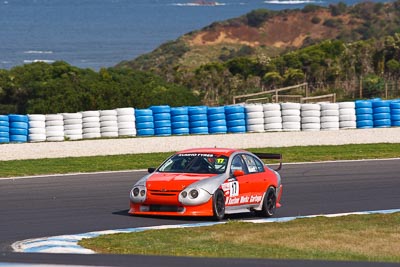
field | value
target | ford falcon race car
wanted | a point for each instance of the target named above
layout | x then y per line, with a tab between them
209	182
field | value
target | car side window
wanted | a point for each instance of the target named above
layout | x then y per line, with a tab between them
238	164
253	164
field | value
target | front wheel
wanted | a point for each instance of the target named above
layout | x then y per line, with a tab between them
218	205
269	204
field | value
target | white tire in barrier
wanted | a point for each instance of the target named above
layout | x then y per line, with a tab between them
91	135
126	125
54	123
330	112
75	136
254	115
37	124
347	124
91	130
72	121
37	131
308	107
36	117
111	112
291	119
73	127
310	127
54	129
329	119
126	118
311	120
272	113
291	126
73	132
329	125
273	127
272	120
329	106
271	107
291	112
90	125
347	105
108	124
125	111
310	113
72	116
54	117
347	111
90	113
127	132
108	129
108	118
347	118
290	106
109	134
90	119
253	108
255	128
54	133
255	121
37	137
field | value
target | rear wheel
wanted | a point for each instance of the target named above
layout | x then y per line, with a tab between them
269	204
218	205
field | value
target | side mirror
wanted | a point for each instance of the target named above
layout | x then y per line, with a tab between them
237	173
151	170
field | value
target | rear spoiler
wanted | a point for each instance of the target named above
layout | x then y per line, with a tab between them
271	156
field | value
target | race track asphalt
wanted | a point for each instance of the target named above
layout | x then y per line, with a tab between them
71	204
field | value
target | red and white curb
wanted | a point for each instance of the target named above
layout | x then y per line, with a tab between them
69	243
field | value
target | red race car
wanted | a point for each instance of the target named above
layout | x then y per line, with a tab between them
209	182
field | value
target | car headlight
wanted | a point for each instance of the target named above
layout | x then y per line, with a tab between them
194	193
138	194
184	194
135	191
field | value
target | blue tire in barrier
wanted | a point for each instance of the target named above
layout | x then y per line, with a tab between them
19	125
216	116
217	123
4	140
199	130
237	129
363	104
162	131
365	124
380	103
4	124
16	117
145	125
143	112
145	132
162	116
4	134
235	116
234	109
235	123
395	123
395	105
161	109
180	118
382	123
162	124
215	110
4	118
363	117
364	111
18	131
18	138
197	110
381	116
198	117
218	130
179	111
180	131
179	124
381	110
144	118
4	129
395	111
395	117
196	124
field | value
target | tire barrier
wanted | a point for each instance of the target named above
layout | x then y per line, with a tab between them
180	121
310	117
235	119
126	121
73	126
291	120
37	128
216	120
164	120
395	113
91	124
254	118
198	121
272	117
144	122
4	129
347	115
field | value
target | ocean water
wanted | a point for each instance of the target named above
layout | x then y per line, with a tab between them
101	33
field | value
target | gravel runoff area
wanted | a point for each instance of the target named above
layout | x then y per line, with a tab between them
134	145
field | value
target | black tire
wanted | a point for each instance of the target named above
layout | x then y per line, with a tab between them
269	204
218	205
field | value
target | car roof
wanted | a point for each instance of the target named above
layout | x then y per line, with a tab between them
214	150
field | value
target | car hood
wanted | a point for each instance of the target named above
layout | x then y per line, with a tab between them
173	181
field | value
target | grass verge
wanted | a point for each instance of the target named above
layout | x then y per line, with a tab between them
349	238
143	161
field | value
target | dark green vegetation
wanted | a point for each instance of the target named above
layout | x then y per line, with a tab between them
143	161
349	238
353	51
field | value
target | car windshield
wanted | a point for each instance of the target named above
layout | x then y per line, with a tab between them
195	163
